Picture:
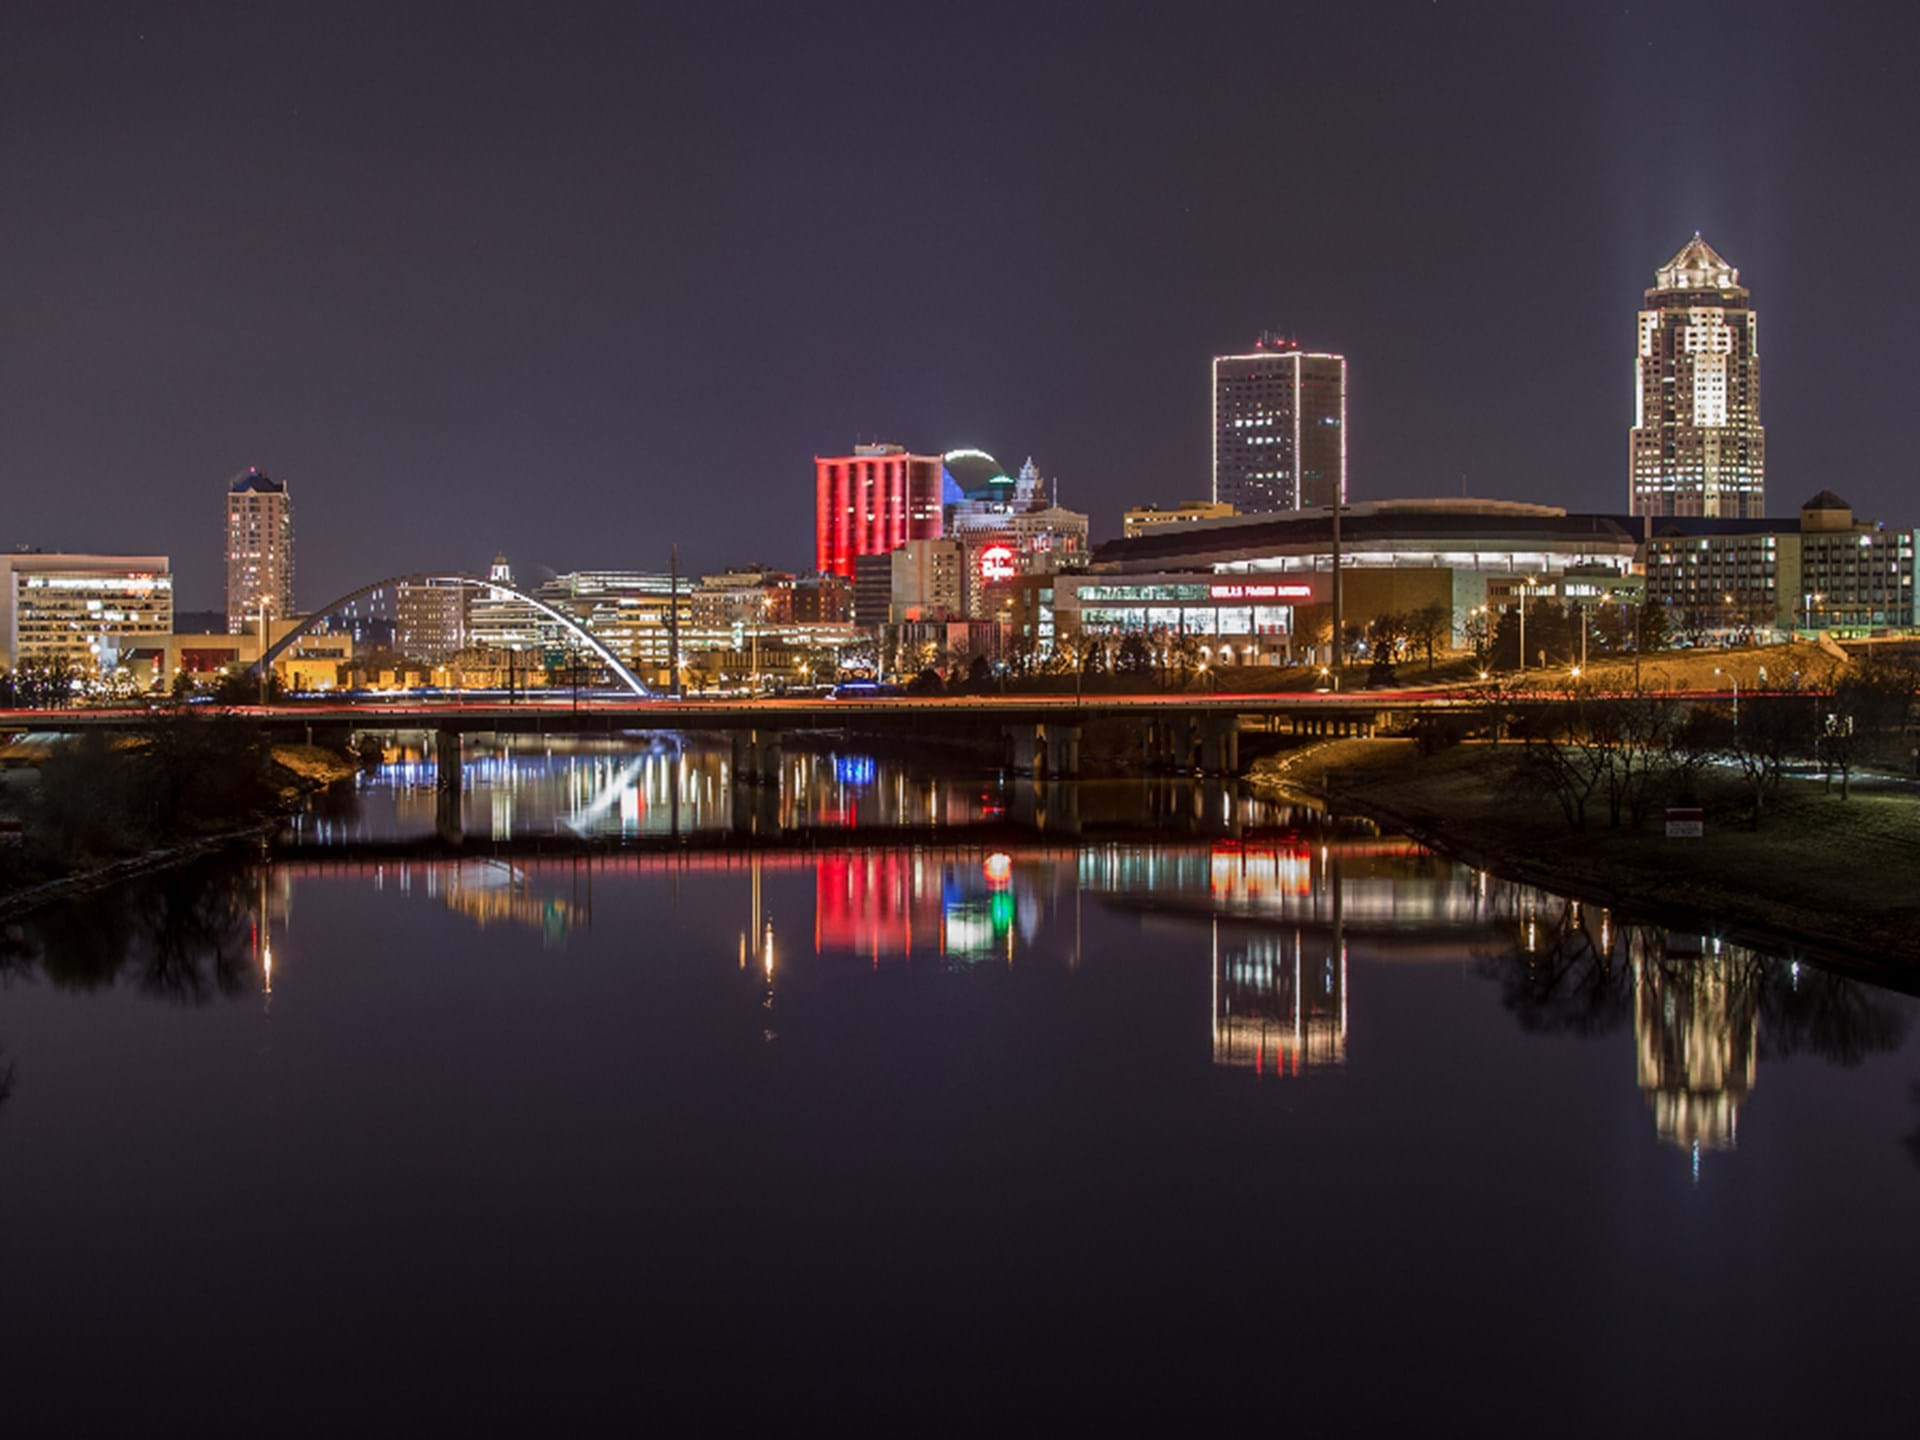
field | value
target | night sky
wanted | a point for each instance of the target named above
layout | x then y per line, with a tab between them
579	281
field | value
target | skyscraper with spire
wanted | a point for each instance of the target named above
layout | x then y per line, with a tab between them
1697	445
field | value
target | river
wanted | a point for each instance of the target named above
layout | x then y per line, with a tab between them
940	1096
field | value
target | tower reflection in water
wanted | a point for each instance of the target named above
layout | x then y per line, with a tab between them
1696	1036
1279	1002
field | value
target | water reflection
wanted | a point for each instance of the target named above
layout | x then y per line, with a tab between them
1705	1012
643	787
1276	918
186	936
1279	1002
1696	1035
662	788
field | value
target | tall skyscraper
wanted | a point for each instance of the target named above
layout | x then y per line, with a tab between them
871	502
1279	428
259	551
1698	447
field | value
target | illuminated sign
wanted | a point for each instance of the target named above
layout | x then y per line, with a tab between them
996	563
1261	590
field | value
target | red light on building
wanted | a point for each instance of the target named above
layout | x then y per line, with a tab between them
997	563
1261	590
871	502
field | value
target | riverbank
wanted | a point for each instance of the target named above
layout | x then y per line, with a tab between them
1821	873
294	772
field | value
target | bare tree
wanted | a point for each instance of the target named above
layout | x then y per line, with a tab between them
1428	629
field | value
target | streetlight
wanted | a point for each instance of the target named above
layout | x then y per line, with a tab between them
1734	680
1810	599
1523	620
263	651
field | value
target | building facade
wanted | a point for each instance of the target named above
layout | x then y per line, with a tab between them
1143	518
1396	556
90	610
1827	571
818	600
1279	429
872	590
927	581
872	502
636	614
259	546
430	621
754	596
501	620
1697	447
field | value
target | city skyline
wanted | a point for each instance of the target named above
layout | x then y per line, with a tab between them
393	346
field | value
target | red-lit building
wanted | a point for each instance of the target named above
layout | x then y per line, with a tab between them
871	502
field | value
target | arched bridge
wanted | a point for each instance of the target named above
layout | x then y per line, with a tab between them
567	623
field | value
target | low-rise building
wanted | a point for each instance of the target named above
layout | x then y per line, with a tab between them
1826	570
822	599
1395	556
90	610
1142	518
754	595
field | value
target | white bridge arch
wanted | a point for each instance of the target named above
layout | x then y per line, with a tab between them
471	582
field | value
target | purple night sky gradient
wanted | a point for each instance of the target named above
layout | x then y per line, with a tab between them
578	281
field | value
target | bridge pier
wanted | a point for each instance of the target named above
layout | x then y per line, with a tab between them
757	757
1025	749
756	808
1063	752
447	769
449	775
1179	746
1220	745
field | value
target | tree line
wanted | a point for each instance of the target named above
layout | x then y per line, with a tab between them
1625	752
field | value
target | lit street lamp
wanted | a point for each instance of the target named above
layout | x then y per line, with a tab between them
1733	680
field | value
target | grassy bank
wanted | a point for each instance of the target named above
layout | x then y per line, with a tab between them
1820	872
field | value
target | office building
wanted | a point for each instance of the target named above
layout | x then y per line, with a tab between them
1039	542
871	502
501	620
1006	528
259	551
1279	428
1825	571
927	581
872	590
430	621
90	610
635	615
820	599
1143	518
753	595
1697	447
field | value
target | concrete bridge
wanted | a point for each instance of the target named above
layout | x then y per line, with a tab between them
1181	733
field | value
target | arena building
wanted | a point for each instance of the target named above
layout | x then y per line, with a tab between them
1260	587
